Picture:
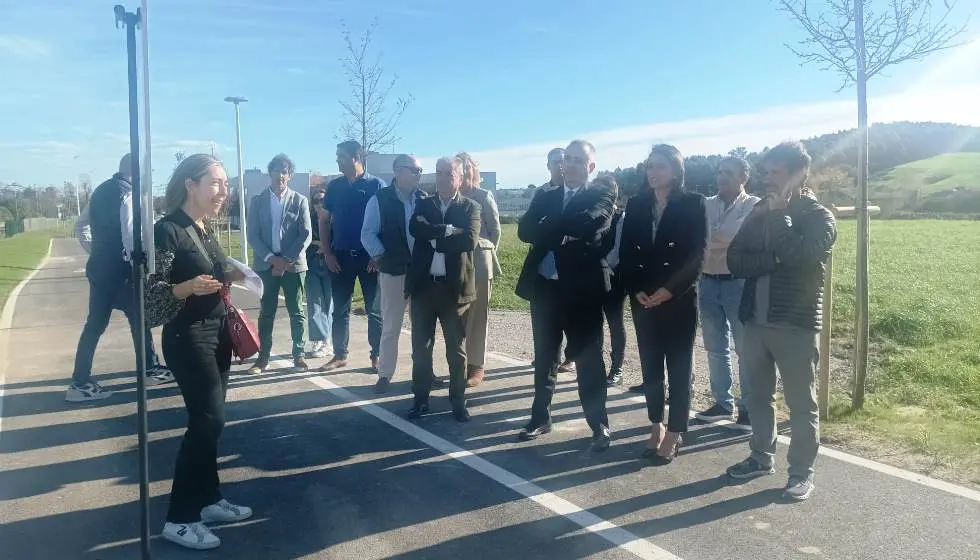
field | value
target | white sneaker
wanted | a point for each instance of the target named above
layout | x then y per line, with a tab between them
224	512
318	349
90	391
158	376
191	535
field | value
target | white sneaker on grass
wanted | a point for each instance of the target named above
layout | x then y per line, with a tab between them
196	536
224	512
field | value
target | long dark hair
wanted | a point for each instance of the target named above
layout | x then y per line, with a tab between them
676	161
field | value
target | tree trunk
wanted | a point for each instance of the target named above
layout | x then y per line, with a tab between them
861	317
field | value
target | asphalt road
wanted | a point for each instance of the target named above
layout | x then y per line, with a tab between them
333	472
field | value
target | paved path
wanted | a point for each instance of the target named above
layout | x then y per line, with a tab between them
334	472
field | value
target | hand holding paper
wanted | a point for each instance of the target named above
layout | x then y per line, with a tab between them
252	281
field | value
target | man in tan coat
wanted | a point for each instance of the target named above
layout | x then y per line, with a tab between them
487	265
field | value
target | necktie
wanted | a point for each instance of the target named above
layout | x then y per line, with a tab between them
548	268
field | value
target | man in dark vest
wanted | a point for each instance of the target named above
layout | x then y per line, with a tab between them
109	279
387	239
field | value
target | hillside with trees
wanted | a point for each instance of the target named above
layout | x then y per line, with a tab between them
918	167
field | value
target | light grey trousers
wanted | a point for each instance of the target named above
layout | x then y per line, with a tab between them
795	353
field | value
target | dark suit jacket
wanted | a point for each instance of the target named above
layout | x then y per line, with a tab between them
583	274
674	258
429	224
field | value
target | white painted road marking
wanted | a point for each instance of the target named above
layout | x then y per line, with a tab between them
917	478
621	538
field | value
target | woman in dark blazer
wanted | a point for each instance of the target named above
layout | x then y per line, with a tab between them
664	237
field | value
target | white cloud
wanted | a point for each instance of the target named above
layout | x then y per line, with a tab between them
28	48
517	166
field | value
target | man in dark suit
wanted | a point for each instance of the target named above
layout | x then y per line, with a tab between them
441	283
566	279
107	234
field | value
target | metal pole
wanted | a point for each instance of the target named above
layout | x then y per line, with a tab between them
823	386
138	258
861	315
150	242
241	186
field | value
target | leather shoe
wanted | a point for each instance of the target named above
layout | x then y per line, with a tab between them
418	411
601	440
531	432
461	414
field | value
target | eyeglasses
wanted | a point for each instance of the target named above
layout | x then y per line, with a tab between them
410	169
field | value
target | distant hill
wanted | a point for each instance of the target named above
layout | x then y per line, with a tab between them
914	165
946	172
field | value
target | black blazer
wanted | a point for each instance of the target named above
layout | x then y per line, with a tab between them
674	258
583	274
428	224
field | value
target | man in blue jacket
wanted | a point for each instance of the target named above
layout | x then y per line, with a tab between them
109	274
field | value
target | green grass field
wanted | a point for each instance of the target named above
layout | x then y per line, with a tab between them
19	255
924	382
936	174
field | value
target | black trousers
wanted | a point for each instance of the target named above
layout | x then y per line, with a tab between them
199	355
437	302
665	336
581	323
613	311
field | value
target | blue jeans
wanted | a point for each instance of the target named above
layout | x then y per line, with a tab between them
718	300
319	305
353	267
102	299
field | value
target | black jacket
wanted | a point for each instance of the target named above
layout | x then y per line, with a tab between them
671	260
429	224
106	264
583	274
791	245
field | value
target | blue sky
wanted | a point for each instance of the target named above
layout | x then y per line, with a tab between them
505	80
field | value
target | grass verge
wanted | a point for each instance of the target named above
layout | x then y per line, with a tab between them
19	255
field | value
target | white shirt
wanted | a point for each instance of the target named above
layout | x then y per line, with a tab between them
277	206
126	224
438	266
723	223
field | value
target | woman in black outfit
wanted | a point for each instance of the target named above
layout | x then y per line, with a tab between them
191	273
664	237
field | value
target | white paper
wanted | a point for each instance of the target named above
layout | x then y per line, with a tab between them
252	281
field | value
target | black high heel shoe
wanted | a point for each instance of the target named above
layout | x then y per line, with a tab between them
662	460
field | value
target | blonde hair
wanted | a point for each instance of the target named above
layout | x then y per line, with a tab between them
192	167
471	170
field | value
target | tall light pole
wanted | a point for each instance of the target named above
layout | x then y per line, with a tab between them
241	176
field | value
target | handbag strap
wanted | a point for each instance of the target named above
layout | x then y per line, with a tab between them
192	233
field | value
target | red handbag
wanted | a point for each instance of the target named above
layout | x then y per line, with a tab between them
244	334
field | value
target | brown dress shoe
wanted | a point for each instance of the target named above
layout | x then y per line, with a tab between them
474	375
566	367
335	363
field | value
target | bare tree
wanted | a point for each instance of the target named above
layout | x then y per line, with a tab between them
179	156
858	42
369	115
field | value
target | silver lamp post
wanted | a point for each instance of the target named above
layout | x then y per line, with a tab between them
241	176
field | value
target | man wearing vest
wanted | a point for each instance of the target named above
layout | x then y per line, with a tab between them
386	237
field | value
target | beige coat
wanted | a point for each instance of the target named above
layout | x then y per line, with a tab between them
485	256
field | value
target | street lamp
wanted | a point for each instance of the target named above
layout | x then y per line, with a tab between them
241	176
